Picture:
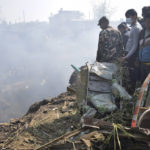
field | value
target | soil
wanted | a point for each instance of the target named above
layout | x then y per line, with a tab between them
44	121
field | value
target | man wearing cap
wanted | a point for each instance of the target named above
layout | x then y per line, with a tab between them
110	45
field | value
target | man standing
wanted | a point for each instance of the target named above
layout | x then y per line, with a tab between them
132	44
110	46
132	47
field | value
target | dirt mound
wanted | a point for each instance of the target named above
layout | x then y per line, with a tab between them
43	122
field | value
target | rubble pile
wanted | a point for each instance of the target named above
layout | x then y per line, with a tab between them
116	137
107	110
95	114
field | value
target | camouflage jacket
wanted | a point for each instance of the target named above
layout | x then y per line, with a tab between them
110	45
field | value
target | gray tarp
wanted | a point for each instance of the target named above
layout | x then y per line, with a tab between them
119	92
103	103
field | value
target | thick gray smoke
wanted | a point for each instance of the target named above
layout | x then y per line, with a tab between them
36	57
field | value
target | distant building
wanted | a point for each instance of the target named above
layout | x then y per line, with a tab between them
66	15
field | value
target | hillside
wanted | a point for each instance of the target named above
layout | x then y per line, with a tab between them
43	122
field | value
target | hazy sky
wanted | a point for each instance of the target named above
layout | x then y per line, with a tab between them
15	10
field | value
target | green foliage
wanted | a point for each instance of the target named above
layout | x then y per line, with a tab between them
115	136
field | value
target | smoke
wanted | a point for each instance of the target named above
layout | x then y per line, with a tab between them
36	57
103	8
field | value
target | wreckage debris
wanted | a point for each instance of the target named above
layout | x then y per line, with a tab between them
90	138
106	109
97	101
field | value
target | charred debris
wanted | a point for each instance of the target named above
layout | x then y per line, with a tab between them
96	113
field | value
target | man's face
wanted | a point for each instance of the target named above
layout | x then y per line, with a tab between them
131	19
103	25
147	23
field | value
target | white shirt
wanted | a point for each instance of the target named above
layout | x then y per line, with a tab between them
133	40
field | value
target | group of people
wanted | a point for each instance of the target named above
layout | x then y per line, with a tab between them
129	43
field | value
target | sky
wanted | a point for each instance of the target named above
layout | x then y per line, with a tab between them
33	10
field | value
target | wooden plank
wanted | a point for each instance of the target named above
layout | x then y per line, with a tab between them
68	135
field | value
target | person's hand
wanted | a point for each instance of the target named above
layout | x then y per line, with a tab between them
122	59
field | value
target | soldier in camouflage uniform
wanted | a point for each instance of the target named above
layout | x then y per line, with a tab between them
110	45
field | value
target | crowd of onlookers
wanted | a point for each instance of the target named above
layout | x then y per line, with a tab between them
130	44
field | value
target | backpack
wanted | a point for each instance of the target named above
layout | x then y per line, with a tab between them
144	53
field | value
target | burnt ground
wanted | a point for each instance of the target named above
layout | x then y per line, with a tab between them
44	121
